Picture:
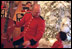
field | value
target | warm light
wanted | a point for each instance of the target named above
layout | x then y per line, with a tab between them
52	40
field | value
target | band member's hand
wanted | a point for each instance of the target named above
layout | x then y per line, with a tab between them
26	43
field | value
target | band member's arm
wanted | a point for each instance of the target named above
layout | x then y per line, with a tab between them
23	20
40	31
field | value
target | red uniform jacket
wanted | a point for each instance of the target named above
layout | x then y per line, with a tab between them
35	31
57	44
2	6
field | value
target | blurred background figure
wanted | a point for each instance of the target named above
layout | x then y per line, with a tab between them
27	7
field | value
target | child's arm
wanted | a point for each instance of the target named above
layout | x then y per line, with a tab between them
57	45
54	45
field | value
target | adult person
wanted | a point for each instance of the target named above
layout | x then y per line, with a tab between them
34	27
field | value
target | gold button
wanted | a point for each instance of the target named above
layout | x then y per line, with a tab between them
28	25
29	22
26	29
23	25
32	17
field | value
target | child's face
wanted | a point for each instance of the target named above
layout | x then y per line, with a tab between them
58	36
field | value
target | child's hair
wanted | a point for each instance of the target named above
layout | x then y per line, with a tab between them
28	2
62	35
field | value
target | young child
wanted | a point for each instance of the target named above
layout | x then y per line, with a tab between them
61	36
